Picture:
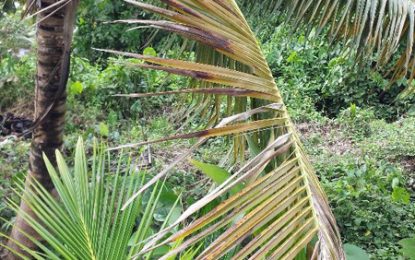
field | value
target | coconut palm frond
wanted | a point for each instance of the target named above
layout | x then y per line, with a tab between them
381	27
282	209
85	221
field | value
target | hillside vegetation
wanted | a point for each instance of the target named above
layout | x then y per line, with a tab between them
359	134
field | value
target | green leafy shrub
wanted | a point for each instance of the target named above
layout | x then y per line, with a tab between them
357	121
371	205
317	77
93	18
94	86
16	81
16	35
17	63
394	142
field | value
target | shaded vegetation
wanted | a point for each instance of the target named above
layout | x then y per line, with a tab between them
360	137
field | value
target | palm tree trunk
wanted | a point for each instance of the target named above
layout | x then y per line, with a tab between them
54	34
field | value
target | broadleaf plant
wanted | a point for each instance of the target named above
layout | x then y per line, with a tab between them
408	248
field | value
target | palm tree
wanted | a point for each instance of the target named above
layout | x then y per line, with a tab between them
282	210
54	35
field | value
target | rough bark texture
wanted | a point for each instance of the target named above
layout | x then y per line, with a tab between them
54	33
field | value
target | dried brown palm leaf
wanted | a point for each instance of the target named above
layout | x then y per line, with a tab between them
282	208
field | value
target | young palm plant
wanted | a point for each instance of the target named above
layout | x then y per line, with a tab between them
86	221
282	211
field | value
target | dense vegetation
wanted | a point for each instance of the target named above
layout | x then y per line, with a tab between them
359	134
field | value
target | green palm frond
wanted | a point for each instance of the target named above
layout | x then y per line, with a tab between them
282	210
384	28
86	220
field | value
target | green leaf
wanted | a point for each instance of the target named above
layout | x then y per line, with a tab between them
408	248
401	195
149	51
353	111
293	57
168	197
190	254
112	118
355	253
395	183
215	173
169	214
253	147
104	130
76	88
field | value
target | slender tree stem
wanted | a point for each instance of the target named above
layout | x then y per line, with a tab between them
54	35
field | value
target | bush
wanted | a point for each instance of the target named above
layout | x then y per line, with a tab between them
357	121
16	81
17	68
15	34
93	29
89	84
394	142
371	205
316	77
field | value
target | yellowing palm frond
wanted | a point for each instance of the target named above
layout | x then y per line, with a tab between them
282	207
